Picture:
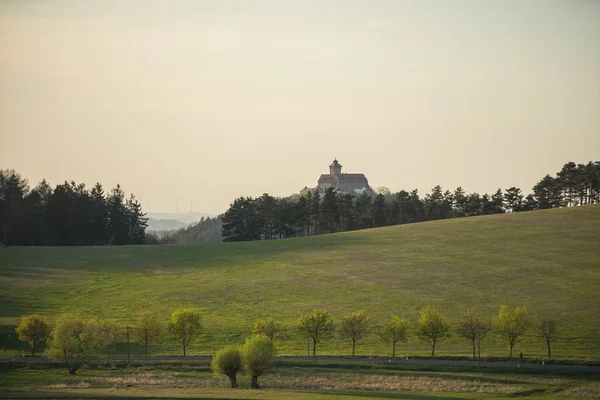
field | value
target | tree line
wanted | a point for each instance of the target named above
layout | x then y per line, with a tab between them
268	217
78	341
69	214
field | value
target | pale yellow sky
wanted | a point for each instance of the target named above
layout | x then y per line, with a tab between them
211	100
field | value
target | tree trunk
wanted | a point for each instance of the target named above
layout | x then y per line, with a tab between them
433	349
393	349
146	348
548	343
510	351
473	348
353	346
233	379
33	349
254	383
314	347
72	371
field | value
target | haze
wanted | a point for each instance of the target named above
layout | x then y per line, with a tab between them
207	101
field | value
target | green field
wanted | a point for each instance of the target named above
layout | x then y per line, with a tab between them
548	261
296	380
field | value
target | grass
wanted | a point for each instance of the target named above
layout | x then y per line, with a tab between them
293	380
548	261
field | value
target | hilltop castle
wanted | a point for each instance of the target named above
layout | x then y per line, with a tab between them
340	182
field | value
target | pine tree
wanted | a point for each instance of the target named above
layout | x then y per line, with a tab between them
118	229
329	213
99	215
136	221
379	211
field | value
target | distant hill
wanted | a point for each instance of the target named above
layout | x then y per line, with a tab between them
164	224
547	261
187	218
207	230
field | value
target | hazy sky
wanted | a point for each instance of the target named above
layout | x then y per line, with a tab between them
211	100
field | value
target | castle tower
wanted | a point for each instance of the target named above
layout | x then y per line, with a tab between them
335	168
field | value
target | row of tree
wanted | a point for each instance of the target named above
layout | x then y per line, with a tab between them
431	328
76	341
268	217
68	214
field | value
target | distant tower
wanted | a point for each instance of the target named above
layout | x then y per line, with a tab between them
335	168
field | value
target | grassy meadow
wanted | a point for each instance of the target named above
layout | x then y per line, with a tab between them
548	261
297	380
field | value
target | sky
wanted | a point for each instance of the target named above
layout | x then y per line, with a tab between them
190	104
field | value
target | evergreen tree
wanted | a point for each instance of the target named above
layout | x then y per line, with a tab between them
379	211
13	190
416	211
513	199
346	212
434	205
547	193
473	205
265	208
136	221
362	211
241	222
118	219
496	203
329	215
460	202
99	215
315	208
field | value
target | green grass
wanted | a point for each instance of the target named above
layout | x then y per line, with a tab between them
294	380
548	261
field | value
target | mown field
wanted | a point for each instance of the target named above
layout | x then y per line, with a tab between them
548	261
296	380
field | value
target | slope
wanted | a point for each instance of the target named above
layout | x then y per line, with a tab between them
548	261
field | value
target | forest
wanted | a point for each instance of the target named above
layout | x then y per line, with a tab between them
267	217
69	214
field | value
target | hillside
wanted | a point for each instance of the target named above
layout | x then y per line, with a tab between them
548	261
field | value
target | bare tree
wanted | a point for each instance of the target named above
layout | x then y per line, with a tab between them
547	330
473	328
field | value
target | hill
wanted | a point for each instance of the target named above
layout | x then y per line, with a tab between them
548	261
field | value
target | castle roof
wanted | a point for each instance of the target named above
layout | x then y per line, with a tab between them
335	163
343	178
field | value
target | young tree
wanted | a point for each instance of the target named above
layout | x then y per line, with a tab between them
270	328
318	325
432	327
185	326
257	354
547	330
112	334
472	328
228	361
395	330
148	329
511	324
355	325
32	329
75	342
